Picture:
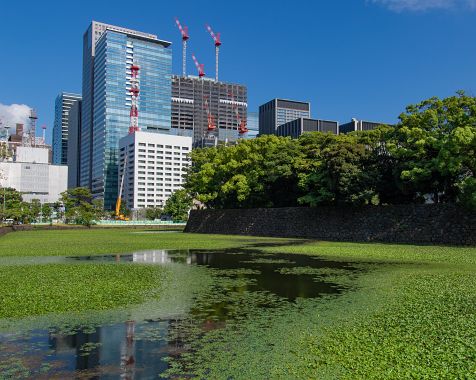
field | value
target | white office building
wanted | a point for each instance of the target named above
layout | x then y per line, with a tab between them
154	169
32	175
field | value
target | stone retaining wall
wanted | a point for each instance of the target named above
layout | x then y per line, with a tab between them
417	224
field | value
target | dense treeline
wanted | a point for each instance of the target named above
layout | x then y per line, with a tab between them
430	155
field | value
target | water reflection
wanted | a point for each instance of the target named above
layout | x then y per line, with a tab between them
137	349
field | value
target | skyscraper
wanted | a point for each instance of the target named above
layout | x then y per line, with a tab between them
108	53
280	111
74	144
63	104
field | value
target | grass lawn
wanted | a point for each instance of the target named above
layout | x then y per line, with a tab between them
98	241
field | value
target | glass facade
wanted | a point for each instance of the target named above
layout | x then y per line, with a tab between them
253	125
63	104
114	54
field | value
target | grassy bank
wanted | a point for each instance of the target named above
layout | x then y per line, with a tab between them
118	240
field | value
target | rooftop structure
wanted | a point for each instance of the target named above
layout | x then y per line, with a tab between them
299	126
359	125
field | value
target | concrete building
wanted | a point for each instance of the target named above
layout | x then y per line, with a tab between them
358	125
31	174
74	144
154	169
63	104
280	111
108	53
190	96
297	127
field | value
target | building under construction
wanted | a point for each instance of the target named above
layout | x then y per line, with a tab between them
210	111
206	109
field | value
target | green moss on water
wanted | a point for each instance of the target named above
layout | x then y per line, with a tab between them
57	288
413	317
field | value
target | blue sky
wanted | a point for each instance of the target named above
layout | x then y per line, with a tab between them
351	58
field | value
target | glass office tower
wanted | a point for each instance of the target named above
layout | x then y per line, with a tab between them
63	104
115	51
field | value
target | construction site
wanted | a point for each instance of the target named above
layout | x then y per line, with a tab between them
206	109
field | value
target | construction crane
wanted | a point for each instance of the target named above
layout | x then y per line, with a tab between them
217	41
185	37
199	66
134	90
120	216
242	129
210	118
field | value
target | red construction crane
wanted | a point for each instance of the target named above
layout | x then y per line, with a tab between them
185	37
134	90
242	129
210	118
200	67
217	41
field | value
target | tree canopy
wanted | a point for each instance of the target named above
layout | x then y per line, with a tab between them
429	155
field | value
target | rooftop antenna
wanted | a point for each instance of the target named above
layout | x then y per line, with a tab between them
185	37
199	66
216	40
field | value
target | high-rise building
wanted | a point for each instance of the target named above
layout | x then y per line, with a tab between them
299	126
197	102
154	169
63	104
108	53
253	125
359	125
280	111
74	144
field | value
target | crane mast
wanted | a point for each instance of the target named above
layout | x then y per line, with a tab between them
185	37
217	42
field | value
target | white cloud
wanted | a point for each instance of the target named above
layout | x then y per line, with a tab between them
14	113
423	5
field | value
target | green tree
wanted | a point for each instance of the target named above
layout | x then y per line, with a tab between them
435	148
78	203
46	212
153	213
253	173
336	170
35	209
178	206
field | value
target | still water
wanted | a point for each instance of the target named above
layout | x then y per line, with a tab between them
129	346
